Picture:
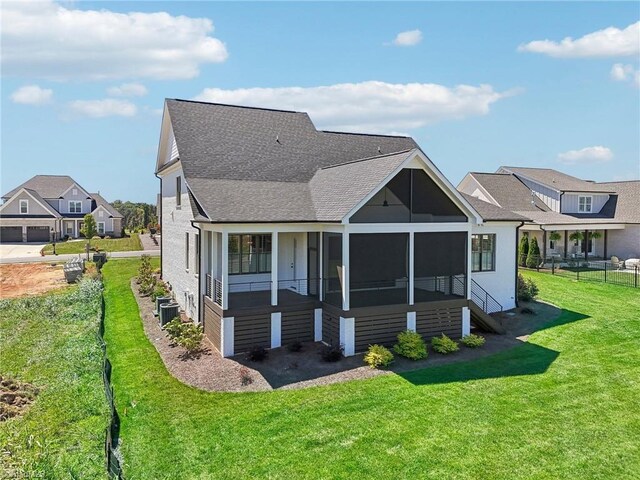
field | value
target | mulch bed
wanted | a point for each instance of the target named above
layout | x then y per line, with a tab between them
15	397
283	369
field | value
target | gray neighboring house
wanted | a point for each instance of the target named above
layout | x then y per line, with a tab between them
48	207
274	231
556	202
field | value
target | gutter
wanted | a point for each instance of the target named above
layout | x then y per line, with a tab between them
517	263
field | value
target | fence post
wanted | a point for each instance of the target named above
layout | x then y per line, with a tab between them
553	266
605	271
635	277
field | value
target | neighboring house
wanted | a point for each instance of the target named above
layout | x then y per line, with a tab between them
274	231
53	206
606	215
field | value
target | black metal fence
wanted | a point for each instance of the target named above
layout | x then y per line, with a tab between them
114	468
617	272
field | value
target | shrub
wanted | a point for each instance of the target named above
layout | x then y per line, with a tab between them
190	336
332	353
295	346
523	251
378	356
533	258
174	327
444	345
527	289
159	291
245	376
257	354
473	341
410	345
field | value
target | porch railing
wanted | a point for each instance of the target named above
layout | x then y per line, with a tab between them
217	291
484	299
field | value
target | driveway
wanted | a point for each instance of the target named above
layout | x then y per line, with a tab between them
20	250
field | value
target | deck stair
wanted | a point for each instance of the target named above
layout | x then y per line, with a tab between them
481	305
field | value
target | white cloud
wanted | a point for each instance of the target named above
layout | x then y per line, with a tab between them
369	106
609	42
32	95
128	90
598	154
47	40
107	107
408	39
622	73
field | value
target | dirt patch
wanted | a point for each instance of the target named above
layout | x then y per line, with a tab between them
15	398
292	370
22	279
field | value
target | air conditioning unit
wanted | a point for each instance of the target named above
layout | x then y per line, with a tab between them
161	301
168	312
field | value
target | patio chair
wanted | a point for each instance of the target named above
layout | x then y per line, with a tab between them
617	263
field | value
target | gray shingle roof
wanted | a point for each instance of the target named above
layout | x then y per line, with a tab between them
625	206
509	192
99	199
492	213
557	180
44	203
246	164
47	186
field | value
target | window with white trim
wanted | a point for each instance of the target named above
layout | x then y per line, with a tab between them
249	254
75	206
178	191
100	228
584	204
100	213
186	250
483	253
24	207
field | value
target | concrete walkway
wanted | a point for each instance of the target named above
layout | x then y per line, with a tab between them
148	243
64	258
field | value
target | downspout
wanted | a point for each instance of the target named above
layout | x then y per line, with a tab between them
517	264
199	260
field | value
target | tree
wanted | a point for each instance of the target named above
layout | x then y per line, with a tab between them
533	258
89	229
524	250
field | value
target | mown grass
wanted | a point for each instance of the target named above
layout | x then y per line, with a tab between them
50	341
564	405
125	244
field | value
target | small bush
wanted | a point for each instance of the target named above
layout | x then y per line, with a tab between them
527	289
378	356
245	376
295	346
332	353
174	327
410	345
444	345
95	237
190	337
159	291
473	341
257	354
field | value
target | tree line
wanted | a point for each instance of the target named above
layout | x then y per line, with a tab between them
137	216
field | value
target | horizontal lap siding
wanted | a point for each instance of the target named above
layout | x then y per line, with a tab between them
433	323
297	326
212	323
379	329
330	328
250	331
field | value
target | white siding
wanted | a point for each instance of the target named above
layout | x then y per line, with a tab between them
500	283
546	194
172	146
79	196
175	223
570	202
12	207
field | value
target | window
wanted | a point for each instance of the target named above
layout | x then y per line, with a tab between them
100	228
100	213
75	206
197	257
584	204
24	206
75	192
249	254
483	253
69	228
186	250
178	191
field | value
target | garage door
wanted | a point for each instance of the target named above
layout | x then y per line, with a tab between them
37	234
10	234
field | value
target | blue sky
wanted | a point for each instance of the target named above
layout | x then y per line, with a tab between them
478	85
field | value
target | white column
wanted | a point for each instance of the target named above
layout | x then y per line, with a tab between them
348	336
468	276
276	329
226	336
411	269
411	321
317	325
466	321
345	270
274	268
320	266
225	270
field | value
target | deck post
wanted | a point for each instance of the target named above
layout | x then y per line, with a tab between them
411	321
345	271
348	336
274	268
466	321
276	329
317	325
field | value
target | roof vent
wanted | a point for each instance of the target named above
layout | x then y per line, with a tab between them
278	139
379	150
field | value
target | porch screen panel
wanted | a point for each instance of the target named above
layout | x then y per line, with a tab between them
429	203
440	264
378	266
332	267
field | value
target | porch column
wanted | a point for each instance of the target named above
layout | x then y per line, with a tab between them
544	247
345	270
566	243
225	270
274	268
586	245
604	253
411	268
320	266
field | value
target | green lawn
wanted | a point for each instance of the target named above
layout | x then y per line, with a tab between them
50	341
564	405
125	244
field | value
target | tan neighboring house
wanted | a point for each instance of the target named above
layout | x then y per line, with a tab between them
606	215
48	207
